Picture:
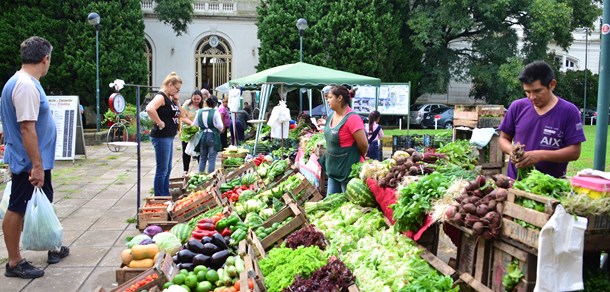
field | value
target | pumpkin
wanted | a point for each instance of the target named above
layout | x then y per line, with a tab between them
139	252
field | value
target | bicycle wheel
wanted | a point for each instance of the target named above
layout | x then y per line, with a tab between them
117	136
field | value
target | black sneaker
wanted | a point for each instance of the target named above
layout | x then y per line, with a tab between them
23	270
55	256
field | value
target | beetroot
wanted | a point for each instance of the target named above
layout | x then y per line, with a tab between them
459	218
501	181
482	210
500	207
481	180
473	185
478	193
491	204
478	227
470	219
486	235
501	194
450	212
469	208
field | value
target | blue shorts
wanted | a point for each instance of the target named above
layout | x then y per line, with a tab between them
22	190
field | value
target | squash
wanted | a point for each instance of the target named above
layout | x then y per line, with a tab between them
156	256
126	257
145	263
139	252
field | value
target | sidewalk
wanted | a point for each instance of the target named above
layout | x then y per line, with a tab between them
94	199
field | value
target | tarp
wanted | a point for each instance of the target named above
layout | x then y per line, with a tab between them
303	75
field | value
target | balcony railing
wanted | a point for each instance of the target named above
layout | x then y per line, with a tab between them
199	6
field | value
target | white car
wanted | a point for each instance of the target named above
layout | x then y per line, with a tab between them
418	111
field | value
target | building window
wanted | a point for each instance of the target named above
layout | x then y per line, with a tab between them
570	64
149	55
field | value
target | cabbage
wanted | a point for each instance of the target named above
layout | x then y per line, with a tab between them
137	240
168	242
152	230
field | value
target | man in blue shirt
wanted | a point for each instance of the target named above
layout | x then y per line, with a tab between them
30	137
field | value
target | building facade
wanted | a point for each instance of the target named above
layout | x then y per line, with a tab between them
221	44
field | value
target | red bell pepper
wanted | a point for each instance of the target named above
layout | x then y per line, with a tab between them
206	226
226	232
206	220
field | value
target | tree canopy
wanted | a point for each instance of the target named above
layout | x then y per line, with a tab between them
73	63
425	42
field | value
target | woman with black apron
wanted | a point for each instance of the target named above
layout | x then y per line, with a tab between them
346	142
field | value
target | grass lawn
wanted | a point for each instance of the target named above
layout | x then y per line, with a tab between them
585	160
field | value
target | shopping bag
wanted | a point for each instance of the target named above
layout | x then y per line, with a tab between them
192	147
5	199
41	227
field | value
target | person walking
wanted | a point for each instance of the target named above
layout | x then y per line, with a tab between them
190	108
30	138
164	110
210	122
374	134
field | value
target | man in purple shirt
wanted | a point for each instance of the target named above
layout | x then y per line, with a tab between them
550	127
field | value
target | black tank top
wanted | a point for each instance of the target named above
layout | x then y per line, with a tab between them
170	115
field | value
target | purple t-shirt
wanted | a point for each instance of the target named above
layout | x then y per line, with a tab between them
558	128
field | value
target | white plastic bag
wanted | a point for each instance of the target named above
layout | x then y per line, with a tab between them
5	199
41	227
192	147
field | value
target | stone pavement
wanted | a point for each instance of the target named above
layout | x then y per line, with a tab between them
94	198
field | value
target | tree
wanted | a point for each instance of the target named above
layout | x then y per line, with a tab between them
571	87
477	39
73	64
176	13
351	35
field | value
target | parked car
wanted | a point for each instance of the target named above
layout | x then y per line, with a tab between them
589	113
418	111
319	112
444	116
594	118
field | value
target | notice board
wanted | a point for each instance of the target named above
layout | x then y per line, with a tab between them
66	113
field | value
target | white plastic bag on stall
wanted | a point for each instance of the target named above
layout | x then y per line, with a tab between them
41	227
5	199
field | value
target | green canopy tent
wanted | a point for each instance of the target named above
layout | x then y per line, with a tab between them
300	75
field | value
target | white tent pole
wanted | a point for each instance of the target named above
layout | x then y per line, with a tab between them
309	95
265	93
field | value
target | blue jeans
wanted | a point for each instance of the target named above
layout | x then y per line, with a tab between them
335	187
207	152
164	148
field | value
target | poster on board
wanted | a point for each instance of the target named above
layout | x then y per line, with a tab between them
394	99
65	112
364	100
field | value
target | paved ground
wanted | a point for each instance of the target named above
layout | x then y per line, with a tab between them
94	198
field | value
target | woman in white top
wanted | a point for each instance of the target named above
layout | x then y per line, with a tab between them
210	123
374	134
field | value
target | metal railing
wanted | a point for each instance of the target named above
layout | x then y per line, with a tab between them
199	6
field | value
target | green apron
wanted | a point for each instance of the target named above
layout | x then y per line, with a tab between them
339	159
215	131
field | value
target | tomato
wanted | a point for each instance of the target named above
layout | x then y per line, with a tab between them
237	285
250	283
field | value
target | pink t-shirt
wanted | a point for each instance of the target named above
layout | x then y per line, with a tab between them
351	126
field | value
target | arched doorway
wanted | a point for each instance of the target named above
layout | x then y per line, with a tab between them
214	62
149	57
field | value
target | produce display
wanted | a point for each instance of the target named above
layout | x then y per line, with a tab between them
197	180
282	265
481	206
188	200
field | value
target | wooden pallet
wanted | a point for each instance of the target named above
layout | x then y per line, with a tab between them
478	116
513	230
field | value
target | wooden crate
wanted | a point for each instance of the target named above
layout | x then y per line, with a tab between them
164	267
214	180
467	284
224	156
473	254
204	203
478	116
298	221
309	192
514	231
491	157
248	167
503	255
251	269
124	274
290	171
146	217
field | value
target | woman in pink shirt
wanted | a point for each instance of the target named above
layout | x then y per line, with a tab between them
223	109
346	142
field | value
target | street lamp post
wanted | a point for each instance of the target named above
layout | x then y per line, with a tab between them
585	93
302	26
94	19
